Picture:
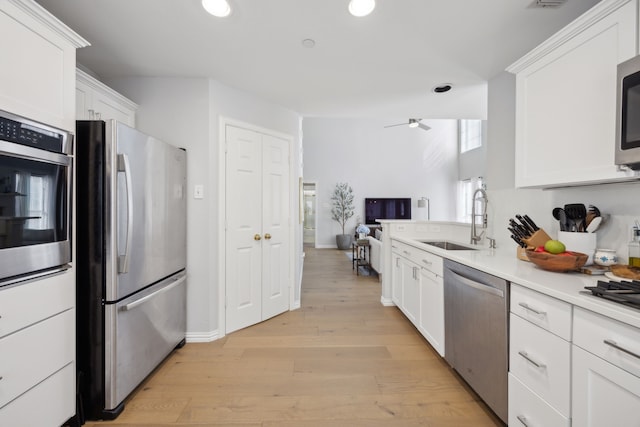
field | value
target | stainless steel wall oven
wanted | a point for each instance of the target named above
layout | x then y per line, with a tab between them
36	169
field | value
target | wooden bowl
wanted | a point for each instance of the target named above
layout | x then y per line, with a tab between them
559	263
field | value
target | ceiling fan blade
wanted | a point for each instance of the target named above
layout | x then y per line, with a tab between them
423	126
399	124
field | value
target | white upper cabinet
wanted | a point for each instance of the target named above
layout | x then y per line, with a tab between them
566	98
96	101
37	78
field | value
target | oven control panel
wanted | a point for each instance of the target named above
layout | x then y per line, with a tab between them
30	134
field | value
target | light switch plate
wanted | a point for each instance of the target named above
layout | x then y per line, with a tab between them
198	191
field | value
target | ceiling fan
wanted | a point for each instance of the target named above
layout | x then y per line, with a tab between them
412	123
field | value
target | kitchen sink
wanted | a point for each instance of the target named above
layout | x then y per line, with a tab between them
446	245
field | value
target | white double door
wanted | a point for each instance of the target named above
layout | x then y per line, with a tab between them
257	227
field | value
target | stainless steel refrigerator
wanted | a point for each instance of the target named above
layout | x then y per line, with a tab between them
131	259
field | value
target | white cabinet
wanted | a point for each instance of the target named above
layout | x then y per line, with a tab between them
431	322
539	359
417	288
566	97
605	371
396	279
37	351
37	77
96	101
410	290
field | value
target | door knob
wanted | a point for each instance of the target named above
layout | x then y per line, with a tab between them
257	237
267	236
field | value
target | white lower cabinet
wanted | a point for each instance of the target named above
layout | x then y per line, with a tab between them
527	409
396	279
431	322
37	352
539	359
36	407
604	395
605	372
417	288
542	361
410	290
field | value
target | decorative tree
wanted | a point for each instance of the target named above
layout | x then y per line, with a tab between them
343	207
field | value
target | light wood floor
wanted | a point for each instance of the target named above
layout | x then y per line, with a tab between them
341	360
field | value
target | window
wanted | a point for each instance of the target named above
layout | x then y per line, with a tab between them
470	134
466	189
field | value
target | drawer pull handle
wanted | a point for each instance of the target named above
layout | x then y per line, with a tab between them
406	252
622	349
530	360
523	420
427	262
531	309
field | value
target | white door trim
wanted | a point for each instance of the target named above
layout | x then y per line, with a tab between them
222	209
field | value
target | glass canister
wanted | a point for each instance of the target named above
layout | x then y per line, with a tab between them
634	248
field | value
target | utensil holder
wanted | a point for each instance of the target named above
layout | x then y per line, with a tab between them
579	242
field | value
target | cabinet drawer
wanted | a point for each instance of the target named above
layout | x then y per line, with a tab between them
542	361
421	257
527	408
547	312
34	353
49	404
24	305
614	341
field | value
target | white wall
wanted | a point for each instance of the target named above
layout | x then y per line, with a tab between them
379	162
185	112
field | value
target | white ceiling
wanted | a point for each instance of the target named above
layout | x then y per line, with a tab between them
380	66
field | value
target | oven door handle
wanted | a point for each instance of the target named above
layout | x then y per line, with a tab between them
123	166
28	153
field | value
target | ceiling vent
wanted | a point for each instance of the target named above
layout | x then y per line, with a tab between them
549	3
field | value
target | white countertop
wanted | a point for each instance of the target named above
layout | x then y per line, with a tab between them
568	287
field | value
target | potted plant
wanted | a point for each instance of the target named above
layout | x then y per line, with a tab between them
341	211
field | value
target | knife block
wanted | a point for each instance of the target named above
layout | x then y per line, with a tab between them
539	238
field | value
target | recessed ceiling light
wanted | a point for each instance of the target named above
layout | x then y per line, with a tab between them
219	8
308	43
445	87
361	7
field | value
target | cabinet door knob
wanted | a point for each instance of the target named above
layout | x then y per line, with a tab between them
267	236
257	237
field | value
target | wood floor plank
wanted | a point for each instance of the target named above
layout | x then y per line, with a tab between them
342	359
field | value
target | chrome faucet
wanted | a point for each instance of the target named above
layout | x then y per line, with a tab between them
475	238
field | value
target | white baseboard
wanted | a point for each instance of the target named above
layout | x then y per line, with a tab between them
202	336
387	302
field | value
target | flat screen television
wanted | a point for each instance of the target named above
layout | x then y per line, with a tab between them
386	208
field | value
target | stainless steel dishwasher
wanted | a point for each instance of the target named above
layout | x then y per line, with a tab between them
476	340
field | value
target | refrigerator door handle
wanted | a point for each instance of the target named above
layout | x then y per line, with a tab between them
123	166
146	298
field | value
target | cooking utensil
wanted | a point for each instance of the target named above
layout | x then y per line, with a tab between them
561	216
576	214
594	224
594	210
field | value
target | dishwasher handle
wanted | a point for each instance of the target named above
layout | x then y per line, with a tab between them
477	285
